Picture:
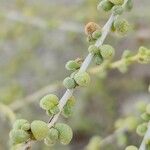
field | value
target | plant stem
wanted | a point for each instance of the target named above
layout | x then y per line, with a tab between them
112	65
8	112
111	137
118	63
146	137
34	96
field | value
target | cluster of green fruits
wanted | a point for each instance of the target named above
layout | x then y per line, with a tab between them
115	6
120	25
50	104
77	78
104	52
38	130
23	131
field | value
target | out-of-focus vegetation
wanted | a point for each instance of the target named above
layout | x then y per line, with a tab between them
38	37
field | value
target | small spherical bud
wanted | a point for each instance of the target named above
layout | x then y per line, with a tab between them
49	101
148	109
117	10
117	2
69	83
145	116
39	129
21	124
107	51
19	136
98	59
72	65
82	78
141	129
129	5
93	49
131	148
91	27
96	34
105	5
65	133
121	25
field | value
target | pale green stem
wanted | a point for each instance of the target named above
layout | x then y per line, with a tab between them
8	112
113	65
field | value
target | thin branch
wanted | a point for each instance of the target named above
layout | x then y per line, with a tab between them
35	96
8	112
111	137
112	65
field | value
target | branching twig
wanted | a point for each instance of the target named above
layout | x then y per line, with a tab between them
112	65
84	66
35	96
8	112
111	137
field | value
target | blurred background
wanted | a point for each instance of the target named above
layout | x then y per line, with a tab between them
37	38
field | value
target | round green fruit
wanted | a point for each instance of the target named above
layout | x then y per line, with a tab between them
39	129
65	133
